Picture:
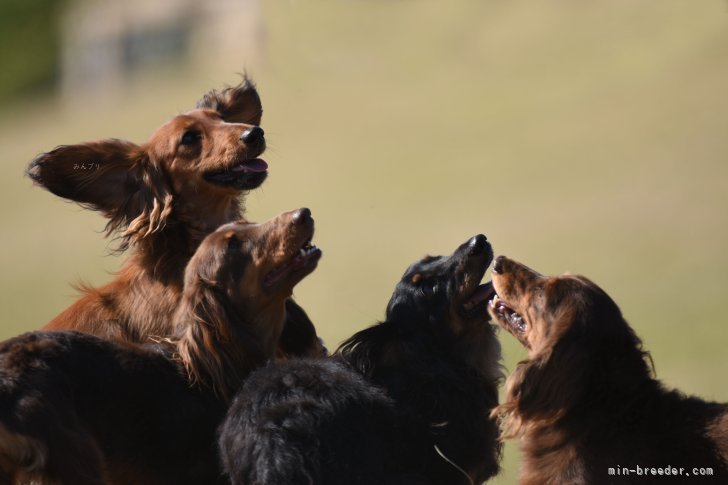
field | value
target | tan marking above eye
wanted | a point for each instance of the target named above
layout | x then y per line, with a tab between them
417	278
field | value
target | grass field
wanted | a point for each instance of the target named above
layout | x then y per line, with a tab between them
589	137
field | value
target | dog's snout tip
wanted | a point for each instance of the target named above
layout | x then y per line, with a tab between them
478	243
499	264
302	215
253	135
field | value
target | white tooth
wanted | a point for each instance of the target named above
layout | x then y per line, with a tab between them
302	252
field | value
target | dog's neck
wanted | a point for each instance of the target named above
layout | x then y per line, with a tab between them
418	372
199	220
549	460
162	255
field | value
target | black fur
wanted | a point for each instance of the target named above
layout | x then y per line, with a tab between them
394	394
72	392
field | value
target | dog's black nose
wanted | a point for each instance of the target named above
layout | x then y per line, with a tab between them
253	135
478	244
301	216
500	262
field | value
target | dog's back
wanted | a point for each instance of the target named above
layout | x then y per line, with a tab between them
315	421
78	409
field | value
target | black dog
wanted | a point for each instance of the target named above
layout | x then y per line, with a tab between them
403	402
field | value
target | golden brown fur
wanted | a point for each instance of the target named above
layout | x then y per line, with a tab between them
158	203
209	345
161	199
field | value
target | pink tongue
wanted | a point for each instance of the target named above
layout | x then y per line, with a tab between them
254	165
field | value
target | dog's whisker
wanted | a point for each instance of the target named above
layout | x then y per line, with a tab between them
455	465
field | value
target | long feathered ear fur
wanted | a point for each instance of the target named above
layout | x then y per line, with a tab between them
542	389
114	177
215	346
237	104
598	359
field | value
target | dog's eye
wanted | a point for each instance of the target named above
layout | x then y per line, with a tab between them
429	287
190	137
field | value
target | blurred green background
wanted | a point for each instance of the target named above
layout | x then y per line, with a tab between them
589	137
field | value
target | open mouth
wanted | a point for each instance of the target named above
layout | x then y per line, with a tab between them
304	261
506	316
244	175
477	303
474	256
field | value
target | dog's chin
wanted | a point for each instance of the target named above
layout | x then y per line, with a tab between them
474	305
283	278
508	318
246	175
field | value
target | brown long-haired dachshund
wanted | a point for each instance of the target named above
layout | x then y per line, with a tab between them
77	409
585	404
162	198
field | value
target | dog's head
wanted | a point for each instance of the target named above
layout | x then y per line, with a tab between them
440	302
579	344
445	291
197	164
234	301
256	266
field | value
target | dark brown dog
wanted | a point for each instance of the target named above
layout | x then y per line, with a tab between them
77	409
584	403
161	198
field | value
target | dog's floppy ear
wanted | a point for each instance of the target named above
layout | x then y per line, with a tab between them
217	345
238	104
114	177
543	388
548	385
